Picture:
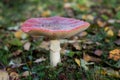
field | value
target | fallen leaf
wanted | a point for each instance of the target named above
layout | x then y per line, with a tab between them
98	52
16	53
117	42
45	45
67	5
110	72
20	34
27	46
9	69
103	72
26	73
84	64
46	13
39	8
82	7
64	48
111	21
14	76
4	75
76	46
113	73
119	33
77	61
106	28
98	43
114	54
88	17
39	60
109	31
88	58
107	40
88	42
15	61
14	27
82	34
101	23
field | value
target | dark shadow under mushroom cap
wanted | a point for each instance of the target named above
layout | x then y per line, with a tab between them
54	27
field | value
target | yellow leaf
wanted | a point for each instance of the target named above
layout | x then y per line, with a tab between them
107	28
46	13
107	40
82	7
114	54
20	34
103	72
77	61
110	33
88	17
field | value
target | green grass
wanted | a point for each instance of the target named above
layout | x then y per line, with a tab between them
13	13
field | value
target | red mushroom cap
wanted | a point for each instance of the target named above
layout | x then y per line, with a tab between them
54	27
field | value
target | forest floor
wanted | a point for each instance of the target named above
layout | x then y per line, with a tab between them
93	55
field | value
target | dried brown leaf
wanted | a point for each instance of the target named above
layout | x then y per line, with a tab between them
27	46
76	46
119	33
26	73
82	34
4	75
88	17
98	52
14	76
45	45
101	23
16	53
117	42
39	60
87	58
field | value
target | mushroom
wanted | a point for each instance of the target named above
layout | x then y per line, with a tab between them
54	28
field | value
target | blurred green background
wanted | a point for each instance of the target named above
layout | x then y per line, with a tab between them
14	12
103	36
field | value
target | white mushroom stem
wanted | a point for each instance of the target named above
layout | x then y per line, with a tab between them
55	52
